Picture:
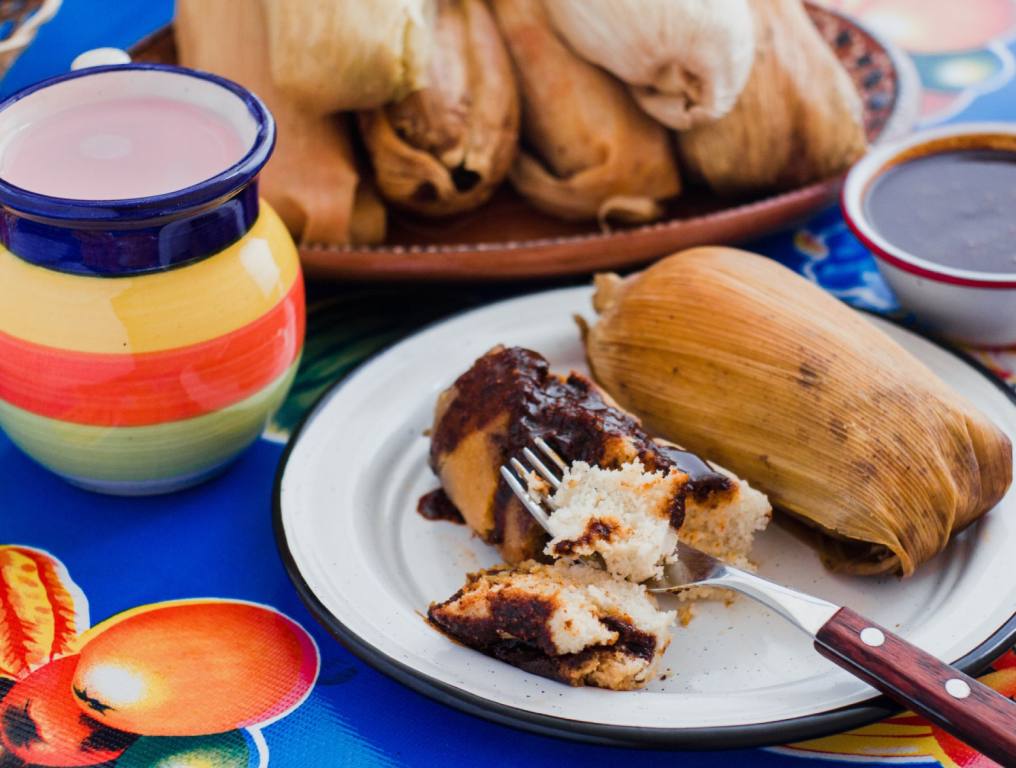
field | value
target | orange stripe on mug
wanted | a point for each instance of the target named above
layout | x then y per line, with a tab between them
153	387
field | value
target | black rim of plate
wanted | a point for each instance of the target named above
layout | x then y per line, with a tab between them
773	733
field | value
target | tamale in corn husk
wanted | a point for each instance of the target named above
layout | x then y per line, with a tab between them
685	61
445	148
342	55
312	179
738	358
588	150
797	120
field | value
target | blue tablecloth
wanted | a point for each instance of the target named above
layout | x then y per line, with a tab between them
216	540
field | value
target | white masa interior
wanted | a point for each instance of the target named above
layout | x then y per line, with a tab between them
348	498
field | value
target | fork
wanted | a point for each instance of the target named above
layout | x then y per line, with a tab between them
959	704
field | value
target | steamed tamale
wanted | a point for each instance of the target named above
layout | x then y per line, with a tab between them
797	120
588	150
509	397
786	386
312	179
342	55
445	148
685	61
569	622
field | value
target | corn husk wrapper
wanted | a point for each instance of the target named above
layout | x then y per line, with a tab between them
797	120
343	55
445	148
738	358
685	61
312	180
591	152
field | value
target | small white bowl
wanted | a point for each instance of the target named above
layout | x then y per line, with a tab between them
972	307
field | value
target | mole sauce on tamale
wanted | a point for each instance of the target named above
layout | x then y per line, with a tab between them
435	505
569	413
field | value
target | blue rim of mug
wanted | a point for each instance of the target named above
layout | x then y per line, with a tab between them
60	210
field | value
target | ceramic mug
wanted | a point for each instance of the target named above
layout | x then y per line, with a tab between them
144	342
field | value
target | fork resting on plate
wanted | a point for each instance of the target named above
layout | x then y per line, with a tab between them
959	704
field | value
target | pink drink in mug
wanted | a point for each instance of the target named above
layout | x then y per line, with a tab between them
120	148
151	305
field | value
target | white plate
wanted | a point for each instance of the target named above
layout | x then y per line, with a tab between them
368	565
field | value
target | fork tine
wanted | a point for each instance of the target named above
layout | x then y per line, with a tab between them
551	454
522	470
533	459
535	509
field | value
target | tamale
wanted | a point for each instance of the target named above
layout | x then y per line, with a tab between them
569	622
589	151
739	358
311	180
797	120
343	55
445	148
509	397
685	61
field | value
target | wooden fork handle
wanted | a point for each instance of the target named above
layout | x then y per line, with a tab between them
952	700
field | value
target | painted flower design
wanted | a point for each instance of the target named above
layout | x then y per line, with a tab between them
906	738
960	49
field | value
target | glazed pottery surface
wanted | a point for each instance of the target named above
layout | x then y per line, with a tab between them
144	343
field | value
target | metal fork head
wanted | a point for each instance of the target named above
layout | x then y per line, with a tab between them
693	566
517	473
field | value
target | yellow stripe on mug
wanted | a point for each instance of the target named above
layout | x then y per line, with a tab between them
151	312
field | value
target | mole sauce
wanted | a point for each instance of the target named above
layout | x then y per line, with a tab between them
569	413
437	506
953	208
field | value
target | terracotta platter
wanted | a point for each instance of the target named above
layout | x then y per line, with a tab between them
507	239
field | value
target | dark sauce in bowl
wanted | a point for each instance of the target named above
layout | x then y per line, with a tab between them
955	208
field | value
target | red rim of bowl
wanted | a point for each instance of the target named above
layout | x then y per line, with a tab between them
872	165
